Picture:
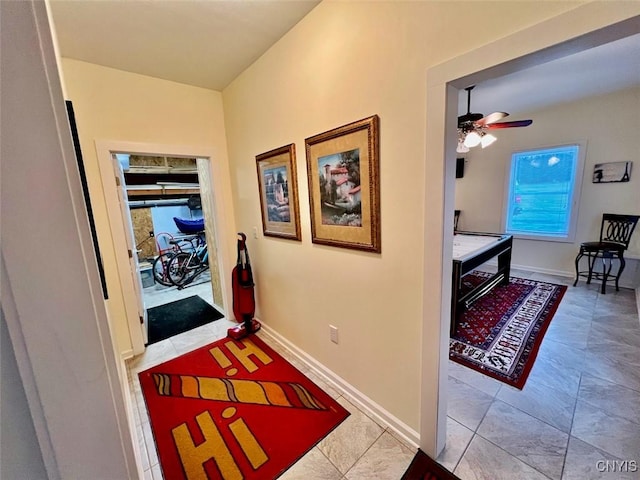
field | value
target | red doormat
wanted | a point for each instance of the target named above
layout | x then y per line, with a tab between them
500	334
234	410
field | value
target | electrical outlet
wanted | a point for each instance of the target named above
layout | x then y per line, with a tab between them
255	232
333	333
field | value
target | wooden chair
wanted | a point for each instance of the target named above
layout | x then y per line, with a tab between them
456	217
615	235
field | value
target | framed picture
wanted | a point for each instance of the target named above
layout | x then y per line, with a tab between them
612	172
278	184
344	186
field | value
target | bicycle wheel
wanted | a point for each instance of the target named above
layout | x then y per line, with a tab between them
182	267
161	268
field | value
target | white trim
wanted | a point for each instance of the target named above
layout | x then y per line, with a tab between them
130	406
529	268
546	271
223	219
364	403
9	309
579	29
118	235
126	355
558	273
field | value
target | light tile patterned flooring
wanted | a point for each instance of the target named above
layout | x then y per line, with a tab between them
580	406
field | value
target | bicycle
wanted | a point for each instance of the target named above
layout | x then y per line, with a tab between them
161	265
185	267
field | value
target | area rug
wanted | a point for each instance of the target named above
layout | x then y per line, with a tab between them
234	410
180	316
424	467
500	334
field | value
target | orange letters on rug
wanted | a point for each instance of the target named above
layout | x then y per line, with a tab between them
234	410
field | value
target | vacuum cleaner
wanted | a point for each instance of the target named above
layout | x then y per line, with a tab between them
244	304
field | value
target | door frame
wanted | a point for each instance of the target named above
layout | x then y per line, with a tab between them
223	221
582	28
134	261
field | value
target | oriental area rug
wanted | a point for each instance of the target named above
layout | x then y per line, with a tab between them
500	334
234	410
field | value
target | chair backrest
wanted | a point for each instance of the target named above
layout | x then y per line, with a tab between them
618	228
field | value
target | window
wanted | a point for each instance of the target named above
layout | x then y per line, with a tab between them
543	193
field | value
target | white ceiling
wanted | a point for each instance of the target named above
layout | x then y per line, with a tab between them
208	43
600	70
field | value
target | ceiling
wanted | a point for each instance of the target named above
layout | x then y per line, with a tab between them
208	43
597	71
205	43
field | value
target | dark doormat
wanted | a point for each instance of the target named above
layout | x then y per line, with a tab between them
180	316
424	468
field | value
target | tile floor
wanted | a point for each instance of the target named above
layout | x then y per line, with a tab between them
580	406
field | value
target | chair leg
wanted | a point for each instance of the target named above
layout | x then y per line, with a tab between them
623	263
605	274
591	260
580	255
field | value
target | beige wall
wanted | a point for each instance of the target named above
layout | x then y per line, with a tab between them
120	106
608	125
343	62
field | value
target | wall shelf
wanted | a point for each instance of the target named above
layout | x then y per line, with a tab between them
161	190
160	170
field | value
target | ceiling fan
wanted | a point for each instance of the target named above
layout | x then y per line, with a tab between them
472	127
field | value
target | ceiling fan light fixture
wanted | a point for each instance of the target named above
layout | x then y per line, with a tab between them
487	139
472	139
472	127
461	148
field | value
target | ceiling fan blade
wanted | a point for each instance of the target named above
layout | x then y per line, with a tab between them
491	118
516	123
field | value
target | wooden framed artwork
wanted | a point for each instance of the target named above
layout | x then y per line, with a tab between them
344	186
278	185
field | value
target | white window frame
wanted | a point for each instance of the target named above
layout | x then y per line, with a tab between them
575	201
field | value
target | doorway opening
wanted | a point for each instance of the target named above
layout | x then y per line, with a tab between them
172	234
126	278
444	84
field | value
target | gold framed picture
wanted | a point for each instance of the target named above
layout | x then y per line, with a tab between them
344	186
278	184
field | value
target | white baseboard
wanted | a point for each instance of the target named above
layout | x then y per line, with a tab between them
364	403
546	271
624	282
560	273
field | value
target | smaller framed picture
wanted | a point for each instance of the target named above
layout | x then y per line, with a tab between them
612	172
278	185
